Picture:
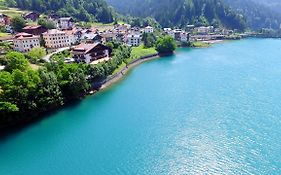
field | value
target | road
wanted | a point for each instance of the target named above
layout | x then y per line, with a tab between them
47	57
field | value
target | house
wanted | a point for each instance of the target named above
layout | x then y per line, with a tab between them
148	29
184	37
64	23
108	36
32	16
55	38
35	30
24	42
177	34
4	20
72	36
91	38
133	39
204	30
90	52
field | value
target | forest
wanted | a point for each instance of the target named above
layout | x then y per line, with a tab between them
83	10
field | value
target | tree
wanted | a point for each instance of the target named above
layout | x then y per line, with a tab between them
18	23
36	54
49	95
165	44
16	60
46	23
148	39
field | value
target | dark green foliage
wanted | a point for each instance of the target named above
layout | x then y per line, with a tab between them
148	39
258	15
16	60
46	23
170	13
85	10
165	44
18	23
101	71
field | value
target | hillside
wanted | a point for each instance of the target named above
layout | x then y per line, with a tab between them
85	10
182	12
259	13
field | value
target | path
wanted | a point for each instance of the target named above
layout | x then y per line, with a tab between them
47	57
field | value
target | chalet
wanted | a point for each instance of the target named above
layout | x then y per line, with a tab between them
108	36
148	29
90	52
133	39
35	30
65	23
91	38
5	20
32	16
24	42
184	37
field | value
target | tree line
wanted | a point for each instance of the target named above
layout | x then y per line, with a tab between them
83	10
26	92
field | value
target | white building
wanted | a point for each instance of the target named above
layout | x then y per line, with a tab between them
56	39
133	39
148	29
204	30
24	42
184	37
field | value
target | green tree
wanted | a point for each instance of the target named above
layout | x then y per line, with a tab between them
46	23
18	23
36	54
16	60
165	44
49	94
148	39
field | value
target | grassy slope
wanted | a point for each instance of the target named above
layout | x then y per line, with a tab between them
137	52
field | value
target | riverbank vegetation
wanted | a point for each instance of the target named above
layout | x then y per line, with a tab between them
26	92
199	44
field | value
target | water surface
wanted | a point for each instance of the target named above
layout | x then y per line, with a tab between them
202	111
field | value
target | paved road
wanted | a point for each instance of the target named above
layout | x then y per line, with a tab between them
47	57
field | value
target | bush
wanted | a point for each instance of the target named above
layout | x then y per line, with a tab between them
165	44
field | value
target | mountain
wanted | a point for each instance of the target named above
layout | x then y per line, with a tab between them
85	10
272	4
171	13
258	13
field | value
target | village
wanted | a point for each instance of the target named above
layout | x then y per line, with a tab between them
88	45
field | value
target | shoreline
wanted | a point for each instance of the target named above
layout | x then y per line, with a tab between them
115	78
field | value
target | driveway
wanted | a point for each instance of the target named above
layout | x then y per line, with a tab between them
47	57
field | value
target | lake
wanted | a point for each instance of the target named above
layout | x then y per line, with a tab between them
215	110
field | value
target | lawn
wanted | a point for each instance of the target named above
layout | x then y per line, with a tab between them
12	12
136	53
199	44
140	51
4	34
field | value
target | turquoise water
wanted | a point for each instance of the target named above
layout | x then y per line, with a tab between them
202	111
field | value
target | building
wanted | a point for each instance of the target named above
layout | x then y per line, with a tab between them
88	53
32	16
64	23
24	42
108	36
56	39
184	37
92	38
5	20
148	29
133	39
35	30
204	30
